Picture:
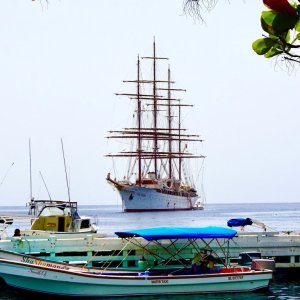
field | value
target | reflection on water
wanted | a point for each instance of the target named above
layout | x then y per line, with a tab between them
285	290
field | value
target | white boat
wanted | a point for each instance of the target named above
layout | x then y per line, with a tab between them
158	177
162	278
198	206
57	217
5	221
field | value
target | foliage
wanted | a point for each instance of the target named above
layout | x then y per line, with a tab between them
282	27
196	8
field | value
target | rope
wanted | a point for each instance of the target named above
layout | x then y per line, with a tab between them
109	262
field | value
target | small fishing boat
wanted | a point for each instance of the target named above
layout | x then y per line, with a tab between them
153	275
57	217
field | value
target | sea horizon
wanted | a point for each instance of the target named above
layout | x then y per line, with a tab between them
210	203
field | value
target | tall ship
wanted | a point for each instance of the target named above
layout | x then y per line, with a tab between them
157	177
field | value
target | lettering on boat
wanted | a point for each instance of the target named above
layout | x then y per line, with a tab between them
42	263
236	277
160	281
38	272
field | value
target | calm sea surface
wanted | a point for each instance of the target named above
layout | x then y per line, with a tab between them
277	217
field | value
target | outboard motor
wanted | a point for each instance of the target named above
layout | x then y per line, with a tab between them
263	264
245	258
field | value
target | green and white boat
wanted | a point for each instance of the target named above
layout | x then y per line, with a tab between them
163	275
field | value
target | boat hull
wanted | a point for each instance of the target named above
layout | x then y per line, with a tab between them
142	199
74	282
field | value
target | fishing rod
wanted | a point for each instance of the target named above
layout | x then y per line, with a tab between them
46	186
68	187
67	180
6	173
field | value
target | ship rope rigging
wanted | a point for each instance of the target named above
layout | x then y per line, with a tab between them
156	158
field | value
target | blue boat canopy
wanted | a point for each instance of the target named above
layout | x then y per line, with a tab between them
161	233
239	222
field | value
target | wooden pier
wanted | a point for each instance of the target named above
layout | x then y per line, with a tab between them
93	249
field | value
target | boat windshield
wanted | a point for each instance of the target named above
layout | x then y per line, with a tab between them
55	210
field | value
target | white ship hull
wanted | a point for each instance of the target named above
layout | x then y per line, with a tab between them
142	199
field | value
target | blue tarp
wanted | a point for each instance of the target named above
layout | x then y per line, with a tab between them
161	233
239	222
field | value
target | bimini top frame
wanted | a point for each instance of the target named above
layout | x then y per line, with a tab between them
191	236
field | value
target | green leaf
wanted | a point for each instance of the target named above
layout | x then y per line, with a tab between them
277	23
273	37
273	52
262	46
269	16
288	36
297	27
267	19
284	22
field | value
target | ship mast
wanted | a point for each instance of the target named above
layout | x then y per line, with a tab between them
170	128
179	143
154	110
165	153
139	149
170	123
155	104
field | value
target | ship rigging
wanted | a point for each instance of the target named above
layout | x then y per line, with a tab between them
157	179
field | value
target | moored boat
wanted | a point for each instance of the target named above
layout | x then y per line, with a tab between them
198	206
57	217
161	276
5	221
158	177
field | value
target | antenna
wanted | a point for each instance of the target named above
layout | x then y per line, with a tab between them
46	186
67	181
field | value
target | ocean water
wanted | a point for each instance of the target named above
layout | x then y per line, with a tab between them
276	216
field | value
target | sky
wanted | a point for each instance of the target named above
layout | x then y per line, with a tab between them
61	64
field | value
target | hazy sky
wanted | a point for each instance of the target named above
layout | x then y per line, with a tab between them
61	64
